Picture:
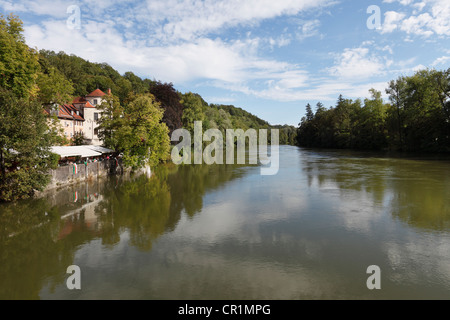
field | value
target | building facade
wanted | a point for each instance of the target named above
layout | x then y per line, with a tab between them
81	117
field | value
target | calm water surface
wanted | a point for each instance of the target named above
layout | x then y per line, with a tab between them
226	232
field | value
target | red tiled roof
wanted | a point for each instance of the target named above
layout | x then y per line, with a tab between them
88	105
63	112
79	100
69	111
96	93
77	117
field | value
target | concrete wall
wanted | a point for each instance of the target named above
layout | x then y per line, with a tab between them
64	175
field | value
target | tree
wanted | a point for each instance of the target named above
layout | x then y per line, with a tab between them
25	137
110	121
343	122
141	136
309	113
192	110
54	88
442	80
419	118
396	92
369	124
18	63
78	139
169	99
25	141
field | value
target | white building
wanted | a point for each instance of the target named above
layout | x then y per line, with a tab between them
81	117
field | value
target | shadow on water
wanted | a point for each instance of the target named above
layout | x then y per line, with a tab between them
414	188
39	238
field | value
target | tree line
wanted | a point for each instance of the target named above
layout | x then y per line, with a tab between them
416	118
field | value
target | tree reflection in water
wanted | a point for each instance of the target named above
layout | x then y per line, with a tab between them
40	237
416	191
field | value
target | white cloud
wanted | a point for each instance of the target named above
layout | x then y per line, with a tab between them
12	6
235	62
418	7
441	61
388	49
308	29
280	41
419	67
435	21
417	25
403	2
391	21
54	8
187	19
357	63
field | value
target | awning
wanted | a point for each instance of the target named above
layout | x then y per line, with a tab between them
75	151
99	149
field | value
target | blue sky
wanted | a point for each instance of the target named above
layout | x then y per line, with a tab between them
268	57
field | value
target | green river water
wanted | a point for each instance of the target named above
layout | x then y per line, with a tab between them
228	232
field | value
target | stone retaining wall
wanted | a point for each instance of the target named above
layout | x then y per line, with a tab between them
65	175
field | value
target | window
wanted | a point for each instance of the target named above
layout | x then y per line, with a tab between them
95	102
96	131
95	116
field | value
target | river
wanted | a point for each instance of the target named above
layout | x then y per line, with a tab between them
228	232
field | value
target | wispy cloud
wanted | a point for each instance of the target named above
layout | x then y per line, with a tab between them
358	63
434	21
444	60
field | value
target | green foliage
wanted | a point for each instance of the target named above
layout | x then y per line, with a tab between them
53	87
417	119
110	121
192	111
87	76
18	63
141	136
78	139
25	136
288	134
25	139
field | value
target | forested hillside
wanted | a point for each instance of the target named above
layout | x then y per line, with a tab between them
180	109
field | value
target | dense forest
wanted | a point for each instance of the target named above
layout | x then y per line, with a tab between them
416	119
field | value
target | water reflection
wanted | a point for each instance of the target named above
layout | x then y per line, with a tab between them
226	232
415	191
39	238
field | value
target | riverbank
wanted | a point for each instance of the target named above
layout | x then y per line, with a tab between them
73	174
